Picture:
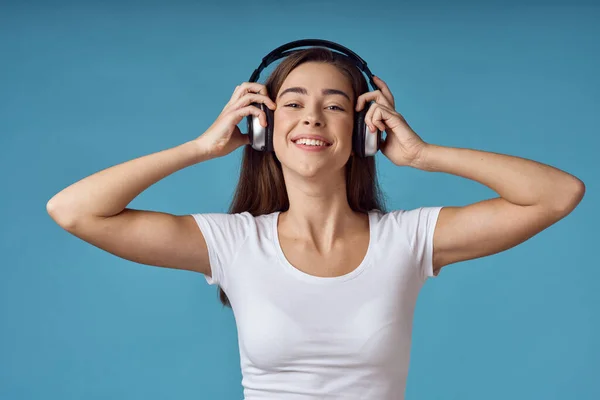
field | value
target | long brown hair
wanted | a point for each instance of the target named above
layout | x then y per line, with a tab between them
261	188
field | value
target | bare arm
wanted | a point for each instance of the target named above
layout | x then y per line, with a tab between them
533	196
94	209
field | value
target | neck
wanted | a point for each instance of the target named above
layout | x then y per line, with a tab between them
319	212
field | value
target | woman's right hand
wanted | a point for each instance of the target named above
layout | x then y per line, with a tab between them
224	136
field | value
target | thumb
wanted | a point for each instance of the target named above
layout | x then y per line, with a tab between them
241	139
384	144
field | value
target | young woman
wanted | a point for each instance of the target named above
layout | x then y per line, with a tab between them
321	279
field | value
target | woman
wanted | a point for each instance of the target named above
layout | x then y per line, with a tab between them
322	281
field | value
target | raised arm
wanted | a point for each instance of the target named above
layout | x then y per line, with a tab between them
532	195
94	209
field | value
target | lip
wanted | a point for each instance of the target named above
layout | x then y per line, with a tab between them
309	148
315	137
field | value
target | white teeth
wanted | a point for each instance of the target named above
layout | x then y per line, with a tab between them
311	142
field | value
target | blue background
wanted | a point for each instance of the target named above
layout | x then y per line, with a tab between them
84	86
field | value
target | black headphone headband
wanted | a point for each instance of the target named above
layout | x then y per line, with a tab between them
286	49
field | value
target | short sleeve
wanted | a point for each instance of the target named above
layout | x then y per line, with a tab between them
224	235
421	223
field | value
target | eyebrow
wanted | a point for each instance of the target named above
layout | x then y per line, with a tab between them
325	92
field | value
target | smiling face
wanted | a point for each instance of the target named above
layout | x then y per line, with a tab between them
314	120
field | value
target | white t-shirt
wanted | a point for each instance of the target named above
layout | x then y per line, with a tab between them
307	337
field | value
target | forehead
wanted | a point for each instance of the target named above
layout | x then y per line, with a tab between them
317	74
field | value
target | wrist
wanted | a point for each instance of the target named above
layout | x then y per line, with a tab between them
196	151
421	160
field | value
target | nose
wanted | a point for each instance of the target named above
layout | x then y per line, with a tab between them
311	118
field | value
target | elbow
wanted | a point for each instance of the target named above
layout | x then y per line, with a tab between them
579	192
571	197
59	213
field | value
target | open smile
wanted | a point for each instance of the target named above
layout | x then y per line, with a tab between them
311	142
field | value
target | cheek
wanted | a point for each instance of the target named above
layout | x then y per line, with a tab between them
348	126
280	132
282	124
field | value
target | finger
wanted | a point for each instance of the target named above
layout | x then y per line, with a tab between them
383	144
375	117
238	92
245	88
250	110
369	117
245	139
379	117
241	138
233	97
255	98
385	90
375	96
252	87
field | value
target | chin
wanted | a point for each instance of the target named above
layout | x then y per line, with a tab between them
314	170
312	165
305	170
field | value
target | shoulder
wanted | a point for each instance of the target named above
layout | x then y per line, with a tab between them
224	218
232	224
415	227
411	219
225	236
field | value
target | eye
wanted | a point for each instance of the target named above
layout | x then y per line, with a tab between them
296	105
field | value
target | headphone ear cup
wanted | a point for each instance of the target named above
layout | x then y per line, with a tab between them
269	129
365	143
360	129
261	138
250	124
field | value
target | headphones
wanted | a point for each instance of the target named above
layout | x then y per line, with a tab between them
364	143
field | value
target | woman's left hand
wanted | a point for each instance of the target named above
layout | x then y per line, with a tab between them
402	145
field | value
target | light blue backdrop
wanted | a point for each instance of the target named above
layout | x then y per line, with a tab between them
84	86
